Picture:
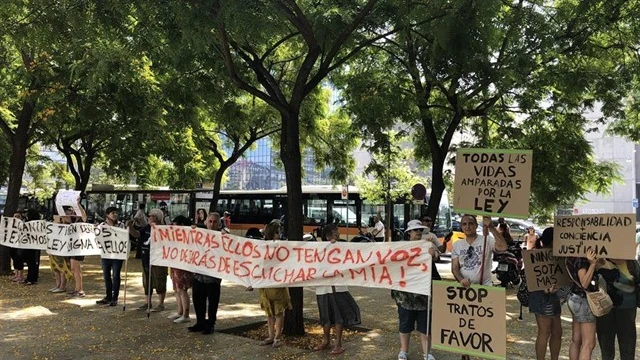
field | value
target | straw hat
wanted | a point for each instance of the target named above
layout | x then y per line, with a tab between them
413	225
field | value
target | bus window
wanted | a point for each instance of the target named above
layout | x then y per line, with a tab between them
344	214
315	212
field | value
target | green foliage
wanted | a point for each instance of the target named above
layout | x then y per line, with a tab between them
44	175
391	173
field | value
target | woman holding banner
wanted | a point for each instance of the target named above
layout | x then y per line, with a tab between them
335	304
274	301
583	331
545	305
206	288
182	281
60	265
413	309
156	277
621	277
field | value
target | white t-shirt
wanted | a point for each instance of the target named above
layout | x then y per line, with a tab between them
638	246
378	229
470	260
432	238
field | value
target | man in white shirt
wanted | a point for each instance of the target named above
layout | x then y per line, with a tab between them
378	229
469	255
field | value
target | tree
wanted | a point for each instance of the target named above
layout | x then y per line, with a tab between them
36	39
491	60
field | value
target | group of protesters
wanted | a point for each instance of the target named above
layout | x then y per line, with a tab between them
337	307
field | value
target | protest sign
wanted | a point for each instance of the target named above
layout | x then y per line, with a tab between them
23	235
542	269
493	182
67	203
113	242
261	264
611	236
470	321
79	239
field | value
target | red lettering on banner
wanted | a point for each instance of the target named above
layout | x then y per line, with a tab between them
381	259
361	271
385	276
163	233
402	283
348	256
400	255
333	260
416	253
327	275
281	253
210	241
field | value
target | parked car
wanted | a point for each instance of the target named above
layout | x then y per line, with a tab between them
518	228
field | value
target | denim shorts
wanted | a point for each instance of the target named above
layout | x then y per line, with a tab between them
544	304
410	320
580	310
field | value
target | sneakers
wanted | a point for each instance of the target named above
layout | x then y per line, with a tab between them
57	291
182	320
196	328
143	307
113	303
429	357
158	308
104	301
174	316
52	289
402	355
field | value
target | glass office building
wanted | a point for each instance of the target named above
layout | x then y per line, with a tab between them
259	169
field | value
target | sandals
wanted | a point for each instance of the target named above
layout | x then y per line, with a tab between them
276	343
336	351
266	342
322	346
402	355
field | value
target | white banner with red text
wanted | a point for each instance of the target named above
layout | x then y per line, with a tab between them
404	265
79	239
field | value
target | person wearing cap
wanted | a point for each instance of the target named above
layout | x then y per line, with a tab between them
413	309
111	268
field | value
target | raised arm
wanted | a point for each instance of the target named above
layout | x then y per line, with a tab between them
501	244
585	276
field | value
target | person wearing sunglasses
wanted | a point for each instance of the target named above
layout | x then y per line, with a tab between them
471	258
413	309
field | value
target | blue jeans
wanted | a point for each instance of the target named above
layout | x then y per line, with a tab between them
112	284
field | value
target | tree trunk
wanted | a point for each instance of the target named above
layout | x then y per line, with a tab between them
17	162
291	158
437	187
217	185
84	175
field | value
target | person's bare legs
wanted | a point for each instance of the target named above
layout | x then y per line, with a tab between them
179	309
161	297
338	345
576	340
57	275
404	341
426	343
279	323
183	300
544	333
556	337
588	331
271	323
77	274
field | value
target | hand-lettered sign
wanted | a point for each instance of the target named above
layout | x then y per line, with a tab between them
543	270
493	182
611	236
470	321
67	203
78	239
403	265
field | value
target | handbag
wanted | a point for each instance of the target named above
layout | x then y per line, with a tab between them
599	301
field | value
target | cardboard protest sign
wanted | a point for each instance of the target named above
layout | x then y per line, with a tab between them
469	321
77	239
493	182
611	236
542	269
401	265
67	203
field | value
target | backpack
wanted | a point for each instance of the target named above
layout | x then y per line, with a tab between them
523	292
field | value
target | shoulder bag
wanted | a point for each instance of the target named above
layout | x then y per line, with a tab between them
599	301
